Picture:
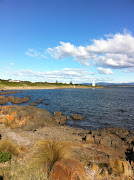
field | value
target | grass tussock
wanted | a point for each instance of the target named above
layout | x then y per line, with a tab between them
47	152
22	170
8	146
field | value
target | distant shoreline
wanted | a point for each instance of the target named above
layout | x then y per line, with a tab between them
51	87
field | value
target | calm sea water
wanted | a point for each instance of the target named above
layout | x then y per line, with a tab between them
100	107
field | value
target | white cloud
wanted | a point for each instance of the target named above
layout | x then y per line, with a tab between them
35	53
129	70
116	51
65	75
12	64
104	71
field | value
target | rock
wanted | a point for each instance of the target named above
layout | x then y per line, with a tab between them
77	117
26	117
60	119
33	103
67	169
3	100
46	103
17	100
89	138
122	110
57	113
8	92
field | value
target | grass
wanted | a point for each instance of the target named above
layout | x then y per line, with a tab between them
5	83
22	170
47	152
8	146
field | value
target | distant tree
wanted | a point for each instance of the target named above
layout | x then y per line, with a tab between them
56	82
71	83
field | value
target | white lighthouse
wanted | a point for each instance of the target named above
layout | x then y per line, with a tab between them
93	83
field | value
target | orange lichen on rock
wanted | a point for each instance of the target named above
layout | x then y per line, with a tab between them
23	121
12	119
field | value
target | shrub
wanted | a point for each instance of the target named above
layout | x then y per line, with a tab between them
4	157
8	146
46	153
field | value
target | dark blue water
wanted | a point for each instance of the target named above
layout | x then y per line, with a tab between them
100	107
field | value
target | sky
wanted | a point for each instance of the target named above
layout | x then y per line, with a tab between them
67	40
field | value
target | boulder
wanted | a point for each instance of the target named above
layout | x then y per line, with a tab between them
77	117
67	169
59	118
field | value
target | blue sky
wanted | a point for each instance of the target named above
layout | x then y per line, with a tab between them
67	40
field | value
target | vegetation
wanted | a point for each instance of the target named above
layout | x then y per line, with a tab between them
4	157
46	153
8	146
6	83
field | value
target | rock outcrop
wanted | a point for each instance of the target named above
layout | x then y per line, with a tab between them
8	92
68	169
59	118
13	100
25	117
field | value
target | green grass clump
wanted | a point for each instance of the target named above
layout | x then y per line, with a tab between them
47	152
5	156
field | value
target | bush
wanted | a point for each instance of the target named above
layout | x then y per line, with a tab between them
4	157
46	153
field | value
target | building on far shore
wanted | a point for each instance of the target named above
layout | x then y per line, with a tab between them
10	80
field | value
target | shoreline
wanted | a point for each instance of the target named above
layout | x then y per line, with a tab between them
51	87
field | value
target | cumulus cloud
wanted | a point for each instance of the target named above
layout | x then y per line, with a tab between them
65	75
35	53
104	71
115	51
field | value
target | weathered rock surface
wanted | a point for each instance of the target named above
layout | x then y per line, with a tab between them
77	117
25	117
8	92
111	137
59	118
13	100
68	169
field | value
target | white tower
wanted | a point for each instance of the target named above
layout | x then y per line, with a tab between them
93	83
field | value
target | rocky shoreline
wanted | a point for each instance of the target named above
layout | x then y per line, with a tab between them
103	153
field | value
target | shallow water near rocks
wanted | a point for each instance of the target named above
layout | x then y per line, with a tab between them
108	107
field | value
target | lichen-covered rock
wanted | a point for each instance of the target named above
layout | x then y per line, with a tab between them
25	117
68	169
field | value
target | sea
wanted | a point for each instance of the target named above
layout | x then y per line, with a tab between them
101	107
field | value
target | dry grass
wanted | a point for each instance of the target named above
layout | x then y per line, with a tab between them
8	146
21	170
47	152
